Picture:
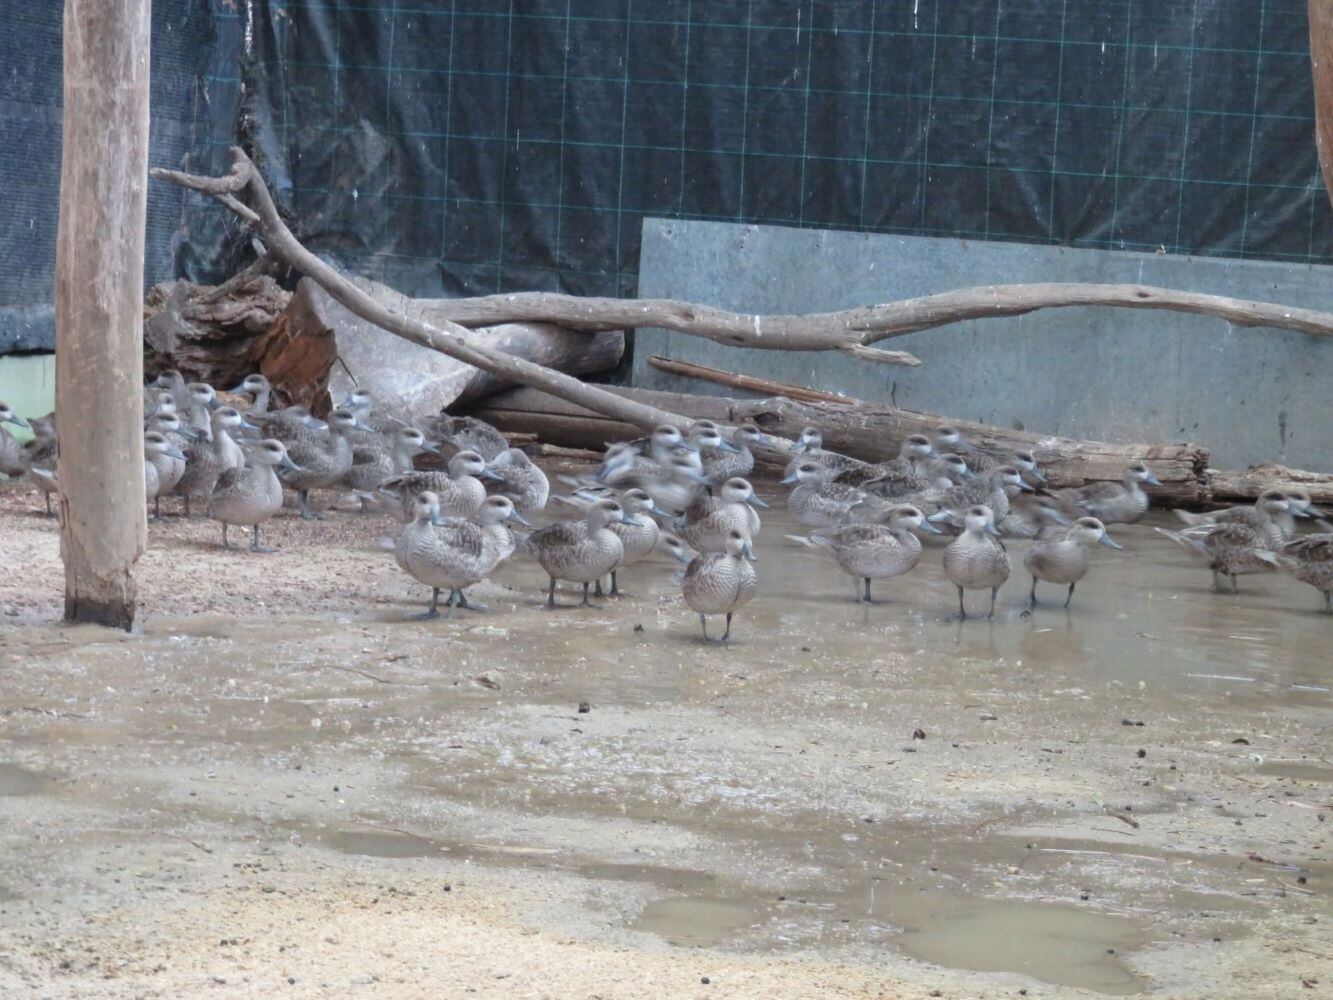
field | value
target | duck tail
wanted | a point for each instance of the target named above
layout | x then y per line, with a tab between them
1192	518
1190	544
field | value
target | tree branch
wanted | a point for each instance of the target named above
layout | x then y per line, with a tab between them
447	338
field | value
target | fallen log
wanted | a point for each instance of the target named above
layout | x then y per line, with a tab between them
865	430
210	333
1246	484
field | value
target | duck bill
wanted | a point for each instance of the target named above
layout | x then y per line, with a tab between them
1109	542
726	445
287	463
487	473
1152	480
518	518
16	420
748	551
990	529
430	448
173	453
930	528
939	515
246	425
1038	475
754	501
793	478
1025	487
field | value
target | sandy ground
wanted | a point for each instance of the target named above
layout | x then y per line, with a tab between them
280	787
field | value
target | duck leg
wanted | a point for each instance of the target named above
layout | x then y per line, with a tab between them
1235	584
49	511
433	611
1328	602
962	611
225	544
1032	595
727	634
993	592
186	499
254	543
157	508
306	513
550	594
868	598
615	586
703	623
1071	594
598	591
585	602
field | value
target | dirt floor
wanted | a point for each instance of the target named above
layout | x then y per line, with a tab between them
282	788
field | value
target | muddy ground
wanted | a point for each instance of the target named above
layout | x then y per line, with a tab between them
282	788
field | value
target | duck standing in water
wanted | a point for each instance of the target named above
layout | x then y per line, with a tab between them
455	552
717	583
977	559
1124	502
1063	559
252	494
580	551
875	551
1310	560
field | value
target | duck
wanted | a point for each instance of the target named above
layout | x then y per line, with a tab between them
638	533
977	559
157	449
982	461
1310	560
468	434
818	501
1299	498
1230	548
454	552
381	459
170	466
13	461
674	484
319	462
1063	558
520	479
1032	516
200	401
1124	502
257	387
459	490
708	521
173	382
1273	515
210	456
810	448
948	440
910	465
43	452
580	551
629	461
721	464
992	490
717	583
868	552
941	472
252	493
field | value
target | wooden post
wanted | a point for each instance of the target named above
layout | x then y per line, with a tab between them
1321	64
99	307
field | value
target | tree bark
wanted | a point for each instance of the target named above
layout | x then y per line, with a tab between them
863	430
99	306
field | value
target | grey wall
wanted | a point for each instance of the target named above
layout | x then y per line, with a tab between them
1248	394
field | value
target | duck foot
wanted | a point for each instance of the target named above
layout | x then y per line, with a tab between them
550	597
615	590
306	513
1070	597
459	600
991	614
585	603
258	548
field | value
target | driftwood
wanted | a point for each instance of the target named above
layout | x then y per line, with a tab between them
864	430
853	331
99	307
211	333
1249	483
244	181
750	383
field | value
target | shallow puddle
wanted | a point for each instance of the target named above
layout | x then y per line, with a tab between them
20	781
379	843
1298	770
1056	944
695	922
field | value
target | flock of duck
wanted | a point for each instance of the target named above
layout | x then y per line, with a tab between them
682	494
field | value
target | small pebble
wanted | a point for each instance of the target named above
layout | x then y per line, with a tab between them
584	708
705	980
1143	753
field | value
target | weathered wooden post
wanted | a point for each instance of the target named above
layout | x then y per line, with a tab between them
99	306
1321	63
